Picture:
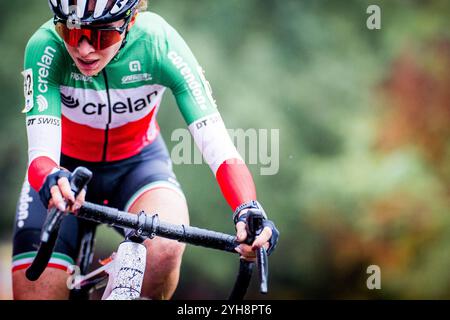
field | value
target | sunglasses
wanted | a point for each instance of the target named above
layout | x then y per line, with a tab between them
99	37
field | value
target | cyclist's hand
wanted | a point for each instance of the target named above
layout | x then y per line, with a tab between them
62	196
267	239
248	252
56	192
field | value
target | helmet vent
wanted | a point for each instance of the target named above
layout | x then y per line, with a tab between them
65	6
100	8
118	6
81	8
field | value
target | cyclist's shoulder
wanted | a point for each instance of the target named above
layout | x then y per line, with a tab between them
45	46
153	27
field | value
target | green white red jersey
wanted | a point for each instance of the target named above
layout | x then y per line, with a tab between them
112	116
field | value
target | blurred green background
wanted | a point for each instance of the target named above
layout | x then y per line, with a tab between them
364	120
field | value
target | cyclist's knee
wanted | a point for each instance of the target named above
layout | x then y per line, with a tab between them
52	285
163	268
164	254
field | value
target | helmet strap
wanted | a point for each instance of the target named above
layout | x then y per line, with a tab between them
124	42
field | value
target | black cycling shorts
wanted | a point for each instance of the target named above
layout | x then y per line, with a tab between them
116	184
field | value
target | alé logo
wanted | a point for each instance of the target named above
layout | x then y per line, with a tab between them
127	105
135	66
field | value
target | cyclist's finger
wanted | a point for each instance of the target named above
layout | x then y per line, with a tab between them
51	204
246	252
262	239
66	191
79	200
58	198
252	259
241	232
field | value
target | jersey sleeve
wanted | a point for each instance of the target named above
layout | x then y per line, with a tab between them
183	75
42	72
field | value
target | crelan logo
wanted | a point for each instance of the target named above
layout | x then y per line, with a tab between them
42	103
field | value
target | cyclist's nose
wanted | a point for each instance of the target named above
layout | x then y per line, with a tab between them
84	47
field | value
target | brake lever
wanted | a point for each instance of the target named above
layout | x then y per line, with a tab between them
51	224
50	229
80	178
254	228
263	270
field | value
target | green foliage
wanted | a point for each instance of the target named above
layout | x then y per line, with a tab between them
313	70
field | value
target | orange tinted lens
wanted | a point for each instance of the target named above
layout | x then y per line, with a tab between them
70	36
107	38
99	39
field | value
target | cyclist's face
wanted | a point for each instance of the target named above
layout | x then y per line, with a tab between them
89	61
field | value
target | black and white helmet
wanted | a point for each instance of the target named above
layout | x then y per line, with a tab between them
93	11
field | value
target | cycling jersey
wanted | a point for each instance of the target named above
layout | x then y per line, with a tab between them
112	116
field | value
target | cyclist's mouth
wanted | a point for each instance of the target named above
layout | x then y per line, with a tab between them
88	64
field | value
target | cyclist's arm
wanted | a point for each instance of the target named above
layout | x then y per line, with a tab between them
42	69
185	77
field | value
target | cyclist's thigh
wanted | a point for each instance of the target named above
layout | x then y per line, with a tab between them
30	215
164	256
168	203
152	186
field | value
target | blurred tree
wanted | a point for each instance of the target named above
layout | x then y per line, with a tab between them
364	168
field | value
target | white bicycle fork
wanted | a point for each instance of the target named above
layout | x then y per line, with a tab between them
126	272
